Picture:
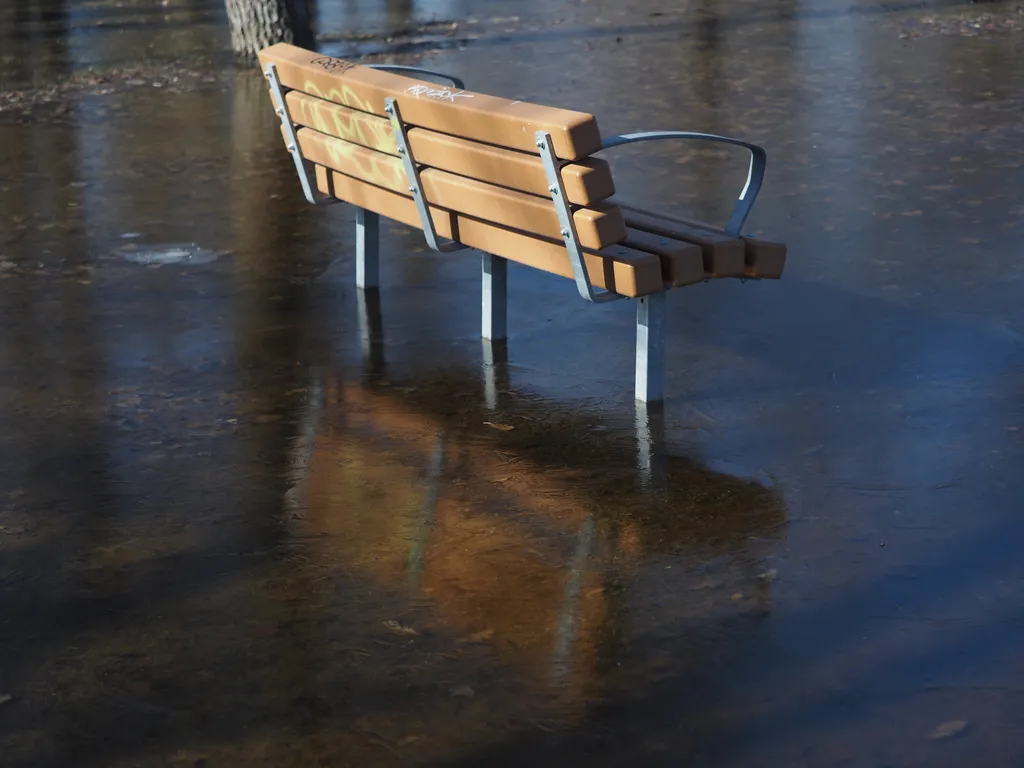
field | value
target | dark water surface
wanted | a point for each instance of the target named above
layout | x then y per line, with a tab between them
248	519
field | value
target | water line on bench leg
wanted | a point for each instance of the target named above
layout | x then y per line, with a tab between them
651	457
367	249
496	376
650	348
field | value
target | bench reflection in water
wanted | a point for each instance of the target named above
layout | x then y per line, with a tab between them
537	538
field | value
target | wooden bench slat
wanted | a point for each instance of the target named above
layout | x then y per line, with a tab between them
615	268
374	167
723	255
586	181
682	263
765	259
476	116
344	123
596	228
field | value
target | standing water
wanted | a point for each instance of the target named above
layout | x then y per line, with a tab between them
250	517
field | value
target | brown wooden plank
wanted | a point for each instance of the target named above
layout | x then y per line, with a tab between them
344	123
682	263
375	167
765	259
476	116
587	181
596	228
616	268
723	255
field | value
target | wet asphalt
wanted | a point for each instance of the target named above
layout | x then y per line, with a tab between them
249	517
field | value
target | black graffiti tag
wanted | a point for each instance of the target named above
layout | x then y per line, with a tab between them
334	66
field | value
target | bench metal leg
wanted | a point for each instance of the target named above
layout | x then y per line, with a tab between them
371	331
495	297
367	249
650	348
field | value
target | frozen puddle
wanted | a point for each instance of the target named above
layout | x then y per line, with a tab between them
172	253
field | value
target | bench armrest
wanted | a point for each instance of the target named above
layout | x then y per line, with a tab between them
755	174
402	69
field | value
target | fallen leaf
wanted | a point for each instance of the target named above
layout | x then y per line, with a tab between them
947	729
5	697
462	690
477	637
499	427
399	629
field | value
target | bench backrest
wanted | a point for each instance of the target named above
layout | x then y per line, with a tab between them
480	168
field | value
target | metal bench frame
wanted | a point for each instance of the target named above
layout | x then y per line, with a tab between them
650	311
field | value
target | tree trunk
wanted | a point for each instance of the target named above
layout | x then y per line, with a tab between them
255	24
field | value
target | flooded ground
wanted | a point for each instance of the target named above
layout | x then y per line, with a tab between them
248	517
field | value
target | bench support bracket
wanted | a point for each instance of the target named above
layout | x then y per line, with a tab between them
755	172
302	166
418	71
650	348
413	174
568	224
494	297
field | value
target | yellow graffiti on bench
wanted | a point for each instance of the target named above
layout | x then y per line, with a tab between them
352	160
354	126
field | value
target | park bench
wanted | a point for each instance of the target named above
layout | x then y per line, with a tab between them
515	180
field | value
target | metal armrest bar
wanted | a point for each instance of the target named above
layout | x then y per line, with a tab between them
568	224
401	69
302	167
755	174
413	175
